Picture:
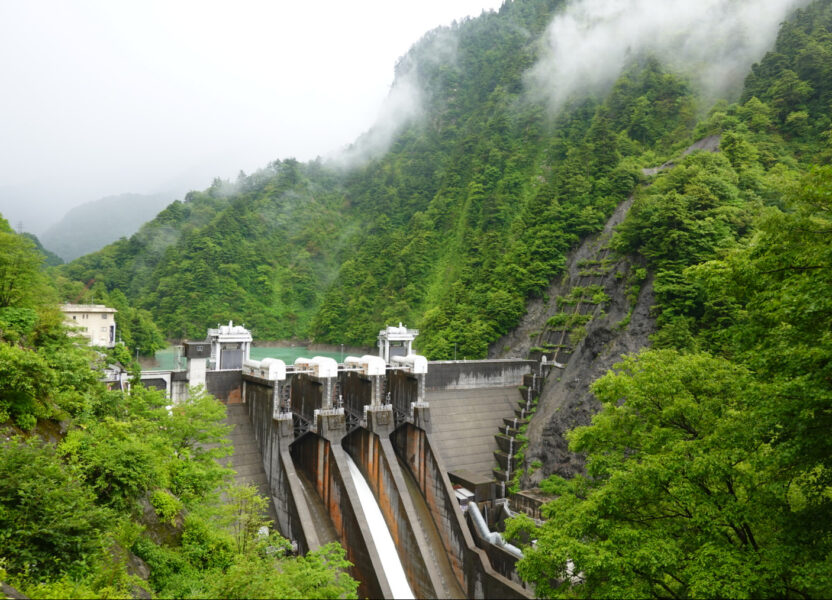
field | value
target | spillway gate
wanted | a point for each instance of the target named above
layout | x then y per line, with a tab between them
308	418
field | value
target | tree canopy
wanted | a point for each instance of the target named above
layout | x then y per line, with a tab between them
92	480
708	467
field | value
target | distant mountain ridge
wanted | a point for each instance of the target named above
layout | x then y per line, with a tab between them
472	209
50	258
93	225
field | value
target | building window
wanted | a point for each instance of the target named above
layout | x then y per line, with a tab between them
104	316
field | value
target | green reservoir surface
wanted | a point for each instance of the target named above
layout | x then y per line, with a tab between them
288	354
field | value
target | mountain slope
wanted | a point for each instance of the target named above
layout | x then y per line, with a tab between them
468	213
93	225
50	258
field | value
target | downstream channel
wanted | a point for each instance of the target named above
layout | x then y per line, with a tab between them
390	561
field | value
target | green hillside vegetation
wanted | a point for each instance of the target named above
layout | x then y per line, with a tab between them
713	477
50	258
469	213
96	481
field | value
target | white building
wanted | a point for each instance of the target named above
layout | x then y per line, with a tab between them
95	322
230	347
396	341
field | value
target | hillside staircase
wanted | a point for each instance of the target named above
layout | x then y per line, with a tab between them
552	346
508	438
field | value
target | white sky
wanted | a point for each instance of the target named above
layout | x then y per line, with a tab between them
112	96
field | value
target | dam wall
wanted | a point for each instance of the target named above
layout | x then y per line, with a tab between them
474	374
273	437
470	564
226	386
315	497
377	461
324	462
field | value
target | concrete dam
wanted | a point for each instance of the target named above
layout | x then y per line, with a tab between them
390	455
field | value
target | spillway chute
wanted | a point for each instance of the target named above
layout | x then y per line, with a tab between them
390	561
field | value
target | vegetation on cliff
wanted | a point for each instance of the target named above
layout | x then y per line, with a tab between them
110	494
708	469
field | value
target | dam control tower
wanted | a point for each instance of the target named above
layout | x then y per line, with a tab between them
396	341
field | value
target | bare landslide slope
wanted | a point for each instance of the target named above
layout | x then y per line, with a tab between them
565	400
610	324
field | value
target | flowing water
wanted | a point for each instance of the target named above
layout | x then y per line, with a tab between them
390	562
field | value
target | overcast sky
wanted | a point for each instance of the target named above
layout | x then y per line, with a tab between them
105	97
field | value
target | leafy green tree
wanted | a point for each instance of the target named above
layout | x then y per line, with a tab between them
21	282
258	574
49	521
141	445
680	501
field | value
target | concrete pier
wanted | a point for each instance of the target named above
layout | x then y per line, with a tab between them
324	462
470	564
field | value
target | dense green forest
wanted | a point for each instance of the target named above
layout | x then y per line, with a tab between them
713	477
470	211
708	468
112	494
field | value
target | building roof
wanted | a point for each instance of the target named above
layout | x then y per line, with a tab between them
87	308
230	333
400	333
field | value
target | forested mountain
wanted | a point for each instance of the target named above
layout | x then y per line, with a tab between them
91	226
707	469
469	211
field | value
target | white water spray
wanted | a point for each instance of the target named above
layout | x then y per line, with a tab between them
390	562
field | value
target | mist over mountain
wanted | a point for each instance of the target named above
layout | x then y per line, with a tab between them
463	201
91	226
659	230
49	258
713	42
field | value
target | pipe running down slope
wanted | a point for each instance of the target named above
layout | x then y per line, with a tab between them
390	561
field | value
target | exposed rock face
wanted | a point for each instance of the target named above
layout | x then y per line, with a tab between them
566	401
617	326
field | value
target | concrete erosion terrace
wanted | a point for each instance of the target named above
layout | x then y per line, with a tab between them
402	419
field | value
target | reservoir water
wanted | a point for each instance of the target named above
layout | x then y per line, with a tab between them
165	358
390	561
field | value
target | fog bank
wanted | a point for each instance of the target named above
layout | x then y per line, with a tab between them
715	42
